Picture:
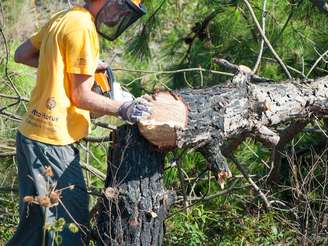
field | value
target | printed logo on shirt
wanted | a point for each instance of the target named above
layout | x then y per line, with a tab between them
81	62
44	116
51	103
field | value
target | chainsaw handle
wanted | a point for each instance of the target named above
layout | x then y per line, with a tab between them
111	77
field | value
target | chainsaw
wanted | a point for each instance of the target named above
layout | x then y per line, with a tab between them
105	84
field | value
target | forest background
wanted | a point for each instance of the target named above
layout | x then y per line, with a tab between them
171	48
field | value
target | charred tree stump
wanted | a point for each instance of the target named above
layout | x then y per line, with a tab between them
135	203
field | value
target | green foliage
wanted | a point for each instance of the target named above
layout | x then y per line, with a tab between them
171	37
191	163
58	226
228	224
8	217
252	154
188	228
73	228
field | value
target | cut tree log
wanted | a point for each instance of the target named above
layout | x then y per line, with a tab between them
169	113
217	119
236	110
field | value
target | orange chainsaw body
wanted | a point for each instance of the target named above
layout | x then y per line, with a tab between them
102	81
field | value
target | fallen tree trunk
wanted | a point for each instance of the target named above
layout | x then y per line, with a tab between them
212	120
220	117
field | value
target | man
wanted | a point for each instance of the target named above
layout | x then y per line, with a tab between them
66	52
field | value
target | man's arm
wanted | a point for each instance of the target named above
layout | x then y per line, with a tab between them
27	54
84	98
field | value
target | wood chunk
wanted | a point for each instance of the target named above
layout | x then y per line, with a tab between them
169	113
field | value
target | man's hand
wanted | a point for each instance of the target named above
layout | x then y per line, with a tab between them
134	111
101	66
84	98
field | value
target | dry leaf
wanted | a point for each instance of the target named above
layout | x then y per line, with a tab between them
28	199
222	177
153	214
54	197
48	171
111	193
43	201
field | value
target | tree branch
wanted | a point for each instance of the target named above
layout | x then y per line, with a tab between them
267	42
259	58
7	154
276	155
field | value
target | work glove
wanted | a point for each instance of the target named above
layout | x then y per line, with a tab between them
134	111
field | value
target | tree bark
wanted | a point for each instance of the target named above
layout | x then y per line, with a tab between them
135	202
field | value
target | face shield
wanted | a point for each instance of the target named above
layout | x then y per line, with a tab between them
116	16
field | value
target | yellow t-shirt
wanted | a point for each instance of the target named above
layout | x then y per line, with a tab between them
68	43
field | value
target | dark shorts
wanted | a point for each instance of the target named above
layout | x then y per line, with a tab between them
33	160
